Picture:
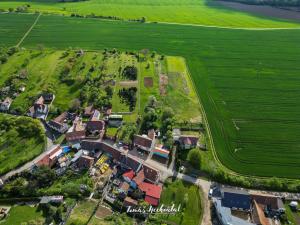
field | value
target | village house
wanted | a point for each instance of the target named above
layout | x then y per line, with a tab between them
124	187
95	116
188	141
143	142
115	120
51	158
152	192
271	204
161	152
85	162
95	129
5	105
235	199
88	111
225	215
39	109
48	98
129	202
59	124
76	133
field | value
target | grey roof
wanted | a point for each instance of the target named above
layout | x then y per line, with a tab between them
235	191
77	156
225	216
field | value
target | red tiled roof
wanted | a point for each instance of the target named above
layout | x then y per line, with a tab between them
75	135
142	141
130	202
259	215
61	117
46	160
151	200
129	174
151	173
88	111
139	178
124	186
95	125
151	190
40	100
189	139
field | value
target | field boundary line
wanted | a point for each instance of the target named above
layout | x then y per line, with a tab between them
29	30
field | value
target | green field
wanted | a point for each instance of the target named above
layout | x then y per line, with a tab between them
82	212
204	12
186	195
248	81
21	139
12	28
24	215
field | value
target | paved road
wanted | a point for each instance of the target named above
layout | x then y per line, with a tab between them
203	184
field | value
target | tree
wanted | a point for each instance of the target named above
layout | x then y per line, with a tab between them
75	105
44	176
127	132
194	158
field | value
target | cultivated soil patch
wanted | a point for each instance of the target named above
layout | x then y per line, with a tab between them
163	82
102	212
264	10
128	83
148	82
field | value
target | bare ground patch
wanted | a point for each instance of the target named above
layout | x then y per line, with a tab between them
148	82
128	83
290	13
102	212
163	82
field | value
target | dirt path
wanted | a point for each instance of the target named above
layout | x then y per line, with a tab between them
29	30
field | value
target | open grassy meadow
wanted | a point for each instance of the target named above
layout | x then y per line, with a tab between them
21	139
203	12
82	212
185	195
247	80
24	215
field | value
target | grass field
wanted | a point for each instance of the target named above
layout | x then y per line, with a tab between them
16	148
186	195
24	215
82	212
247	80
204	12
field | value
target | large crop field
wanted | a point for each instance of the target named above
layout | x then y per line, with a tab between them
203	12
248	81
13	28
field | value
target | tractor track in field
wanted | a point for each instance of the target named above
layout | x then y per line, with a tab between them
230	28
29	30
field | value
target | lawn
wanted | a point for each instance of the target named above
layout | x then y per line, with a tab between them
82	212
24	215
204	12
186	195
293	217
16	146
247	81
